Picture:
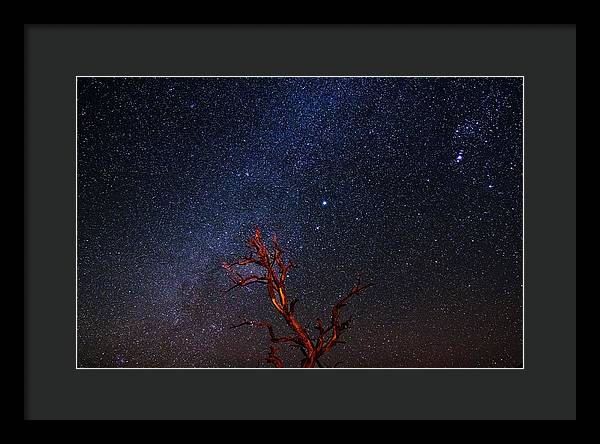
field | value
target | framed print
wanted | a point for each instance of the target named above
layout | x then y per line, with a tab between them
383	216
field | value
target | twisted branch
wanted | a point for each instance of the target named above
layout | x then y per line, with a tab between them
275	272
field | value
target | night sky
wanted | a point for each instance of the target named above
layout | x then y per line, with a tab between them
416	182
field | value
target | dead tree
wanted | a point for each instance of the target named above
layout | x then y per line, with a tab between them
273	272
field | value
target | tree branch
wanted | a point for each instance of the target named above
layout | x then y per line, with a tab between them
274	338
337	326
273	358
275	272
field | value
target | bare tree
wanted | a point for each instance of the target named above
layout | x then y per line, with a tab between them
273	272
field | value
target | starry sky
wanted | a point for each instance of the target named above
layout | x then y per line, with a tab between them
415	182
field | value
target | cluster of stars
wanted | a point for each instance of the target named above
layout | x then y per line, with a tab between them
416	182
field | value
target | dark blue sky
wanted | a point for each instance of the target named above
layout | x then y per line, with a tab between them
417	182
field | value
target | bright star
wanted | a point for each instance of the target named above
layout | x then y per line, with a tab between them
460	156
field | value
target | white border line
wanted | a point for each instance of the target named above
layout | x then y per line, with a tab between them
76	229
523	220
522	77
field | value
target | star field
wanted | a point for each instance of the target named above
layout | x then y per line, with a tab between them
416	182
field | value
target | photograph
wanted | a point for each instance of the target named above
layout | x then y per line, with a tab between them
328	222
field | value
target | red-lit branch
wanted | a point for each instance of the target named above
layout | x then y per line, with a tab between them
274	274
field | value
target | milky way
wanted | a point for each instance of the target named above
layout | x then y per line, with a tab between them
416	182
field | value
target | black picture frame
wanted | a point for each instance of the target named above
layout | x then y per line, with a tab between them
546	57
